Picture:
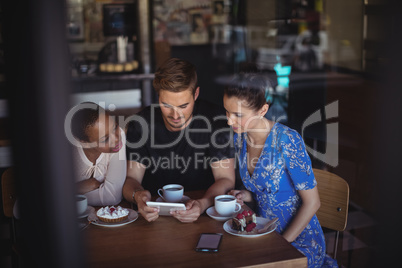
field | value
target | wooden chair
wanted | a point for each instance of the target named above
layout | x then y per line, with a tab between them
334	197
9	194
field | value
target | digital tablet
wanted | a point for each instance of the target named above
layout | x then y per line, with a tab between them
165	207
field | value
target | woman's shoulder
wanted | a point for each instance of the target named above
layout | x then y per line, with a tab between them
78	153
282	132
280	128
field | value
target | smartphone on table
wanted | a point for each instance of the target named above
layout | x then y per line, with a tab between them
209	242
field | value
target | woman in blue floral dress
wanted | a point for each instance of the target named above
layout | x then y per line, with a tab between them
275	169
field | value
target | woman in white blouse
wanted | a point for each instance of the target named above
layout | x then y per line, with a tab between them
100	157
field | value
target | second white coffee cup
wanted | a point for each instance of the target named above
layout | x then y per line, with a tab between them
226	205
171	192
82	203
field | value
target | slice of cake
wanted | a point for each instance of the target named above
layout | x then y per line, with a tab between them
250	216
112	214
244	221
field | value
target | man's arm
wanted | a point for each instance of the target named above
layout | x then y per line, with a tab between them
135	174
224	176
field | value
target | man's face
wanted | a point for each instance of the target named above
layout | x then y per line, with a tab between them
177	108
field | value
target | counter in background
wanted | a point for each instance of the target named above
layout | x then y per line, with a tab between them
114	83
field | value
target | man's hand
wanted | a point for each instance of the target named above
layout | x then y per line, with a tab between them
191	214
149	213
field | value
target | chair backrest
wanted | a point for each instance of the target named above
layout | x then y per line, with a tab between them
334	197
9	192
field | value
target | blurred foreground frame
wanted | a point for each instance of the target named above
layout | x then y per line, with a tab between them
38	89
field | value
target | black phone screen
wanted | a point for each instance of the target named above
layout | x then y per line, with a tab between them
209	242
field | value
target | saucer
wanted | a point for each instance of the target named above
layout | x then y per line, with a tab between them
86	212
216	216
132	216
183	200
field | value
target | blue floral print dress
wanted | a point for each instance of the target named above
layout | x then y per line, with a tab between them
284	168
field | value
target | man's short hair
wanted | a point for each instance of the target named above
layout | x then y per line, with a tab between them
175	75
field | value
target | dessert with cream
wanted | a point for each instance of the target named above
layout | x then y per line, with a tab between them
112	214
244	221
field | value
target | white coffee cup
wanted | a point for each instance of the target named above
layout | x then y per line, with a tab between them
82	203
171	192
226	205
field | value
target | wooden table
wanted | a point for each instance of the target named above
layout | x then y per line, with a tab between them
170	243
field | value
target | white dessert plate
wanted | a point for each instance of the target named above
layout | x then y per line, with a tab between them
86	212
132	216
183	200
227	226
216	216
